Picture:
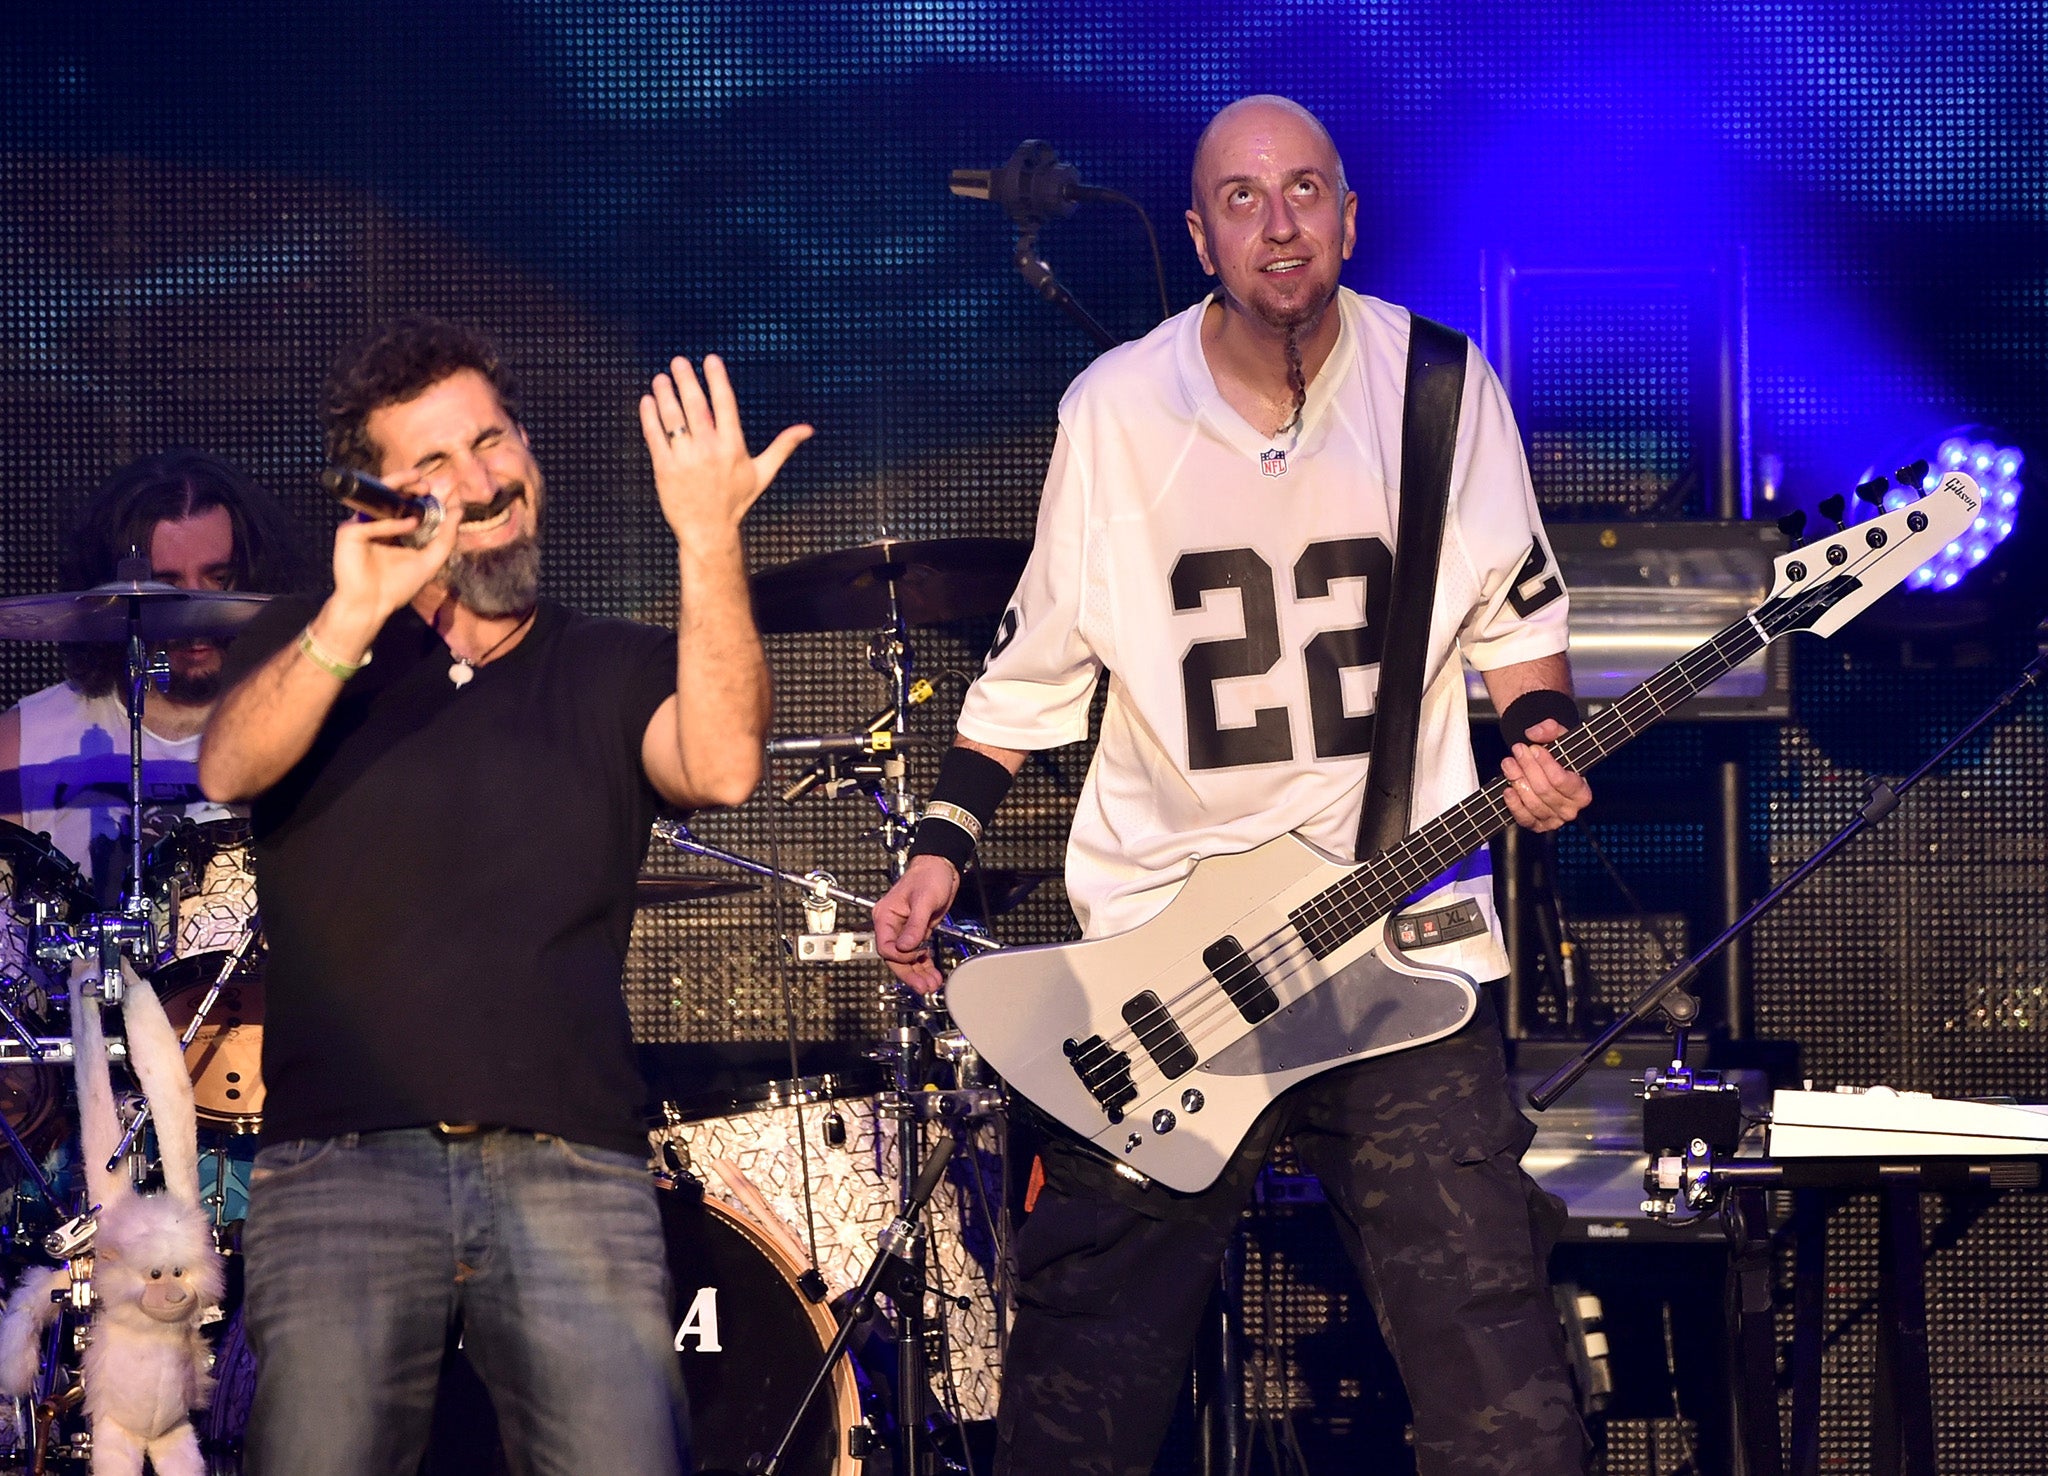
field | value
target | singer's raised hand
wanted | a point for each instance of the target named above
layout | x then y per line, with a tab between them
704	745
266	723
702	471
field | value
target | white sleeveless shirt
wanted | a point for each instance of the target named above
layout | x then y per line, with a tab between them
74	776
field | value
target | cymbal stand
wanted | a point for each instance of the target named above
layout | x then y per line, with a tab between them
906	1054
901	1243
129	929
890	654
877	768
675	833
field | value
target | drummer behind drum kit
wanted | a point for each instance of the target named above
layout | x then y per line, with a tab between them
801	1179
184	917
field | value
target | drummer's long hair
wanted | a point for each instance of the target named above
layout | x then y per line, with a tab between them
120	517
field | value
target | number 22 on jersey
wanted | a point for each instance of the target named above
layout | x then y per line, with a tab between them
1325	657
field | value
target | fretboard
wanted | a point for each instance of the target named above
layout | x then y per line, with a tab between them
1338	913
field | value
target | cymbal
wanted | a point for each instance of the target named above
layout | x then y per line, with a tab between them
937	579
651	888
101	613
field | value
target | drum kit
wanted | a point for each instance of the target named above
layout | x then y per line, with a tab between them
183	917
850	1157
779	1191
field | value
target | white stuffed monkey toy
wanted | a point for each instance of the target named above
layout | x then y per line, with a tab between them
155	1269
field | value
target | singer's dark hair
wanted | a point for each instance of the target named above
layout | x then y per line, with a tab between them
398	362
119	517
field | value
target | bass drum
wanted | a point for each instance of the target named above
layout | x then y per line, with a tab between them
748	1141
33	874
226	1056
32	1097
750	1344
747	1340
202	887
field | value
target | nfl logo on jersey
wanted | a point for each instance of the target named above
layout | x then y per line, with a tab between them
1273	463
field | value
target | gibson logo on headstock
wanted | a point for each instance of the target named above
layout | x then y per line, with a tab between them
1958	485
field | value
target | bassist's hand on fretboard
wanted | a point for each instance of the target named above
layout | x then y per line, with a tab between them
1542	793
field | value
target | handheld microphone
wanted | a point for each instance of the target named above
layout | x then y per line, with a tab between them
363	493
1033	185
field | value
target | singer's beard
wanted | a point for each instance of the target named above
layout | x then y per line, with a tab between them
505	580
498	581
1292	322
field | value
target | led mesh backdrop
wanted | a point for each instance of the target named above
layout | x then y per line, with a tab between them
196	208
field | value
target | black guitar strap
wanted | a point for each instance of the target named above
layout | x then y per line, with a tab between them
1429	440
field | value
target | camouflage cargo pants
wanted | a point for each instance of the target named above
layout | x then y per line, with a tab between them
1419	1155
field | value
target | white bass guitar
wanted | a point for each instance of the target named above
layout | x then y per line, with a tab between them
1162	1044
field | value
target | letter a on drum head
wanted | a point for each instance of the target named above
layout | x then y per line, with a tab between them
701	1322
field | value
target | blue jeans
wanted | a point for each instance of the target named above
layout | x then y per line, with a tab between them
364	1249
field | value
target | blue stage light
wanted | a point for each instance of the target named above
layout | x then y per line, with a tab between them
1997	468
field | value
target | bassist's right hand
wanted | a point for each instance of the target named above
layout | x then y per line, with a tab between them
904	918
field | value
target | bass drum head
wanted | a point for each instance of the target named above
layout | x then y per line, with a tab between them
226	1056
749	1345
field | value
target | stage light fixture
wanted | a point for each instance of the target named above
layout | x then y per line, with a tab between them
1977	450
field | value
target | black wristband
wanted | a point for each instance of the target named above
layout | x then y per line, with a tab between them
969	788
1531	708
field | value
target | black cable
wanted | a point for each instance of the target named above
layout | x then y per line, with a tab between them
1681	1428
1158	264
1002	1276
935	1270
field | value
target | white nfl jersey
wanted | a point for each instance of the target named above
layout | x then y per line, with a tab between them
1235	587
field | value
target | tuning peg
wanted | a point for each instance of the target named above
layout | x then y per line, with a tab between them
1793	525
1832	508
1873	491
1913	477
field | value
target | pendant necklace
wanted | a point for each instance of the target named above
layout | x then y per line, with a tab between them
463	671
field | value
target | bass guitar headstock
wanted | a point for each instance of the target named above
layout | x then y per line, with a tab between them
1821	585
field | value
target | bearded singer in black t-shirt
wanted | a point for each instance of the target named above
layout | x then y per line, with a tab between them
452	782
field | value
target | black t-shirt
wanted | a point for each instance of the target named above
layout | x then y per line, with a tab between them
446	884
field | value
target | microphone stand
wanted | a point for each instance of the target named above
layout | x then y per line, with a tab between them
1670	994
1033	188
900	1244
1038	272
